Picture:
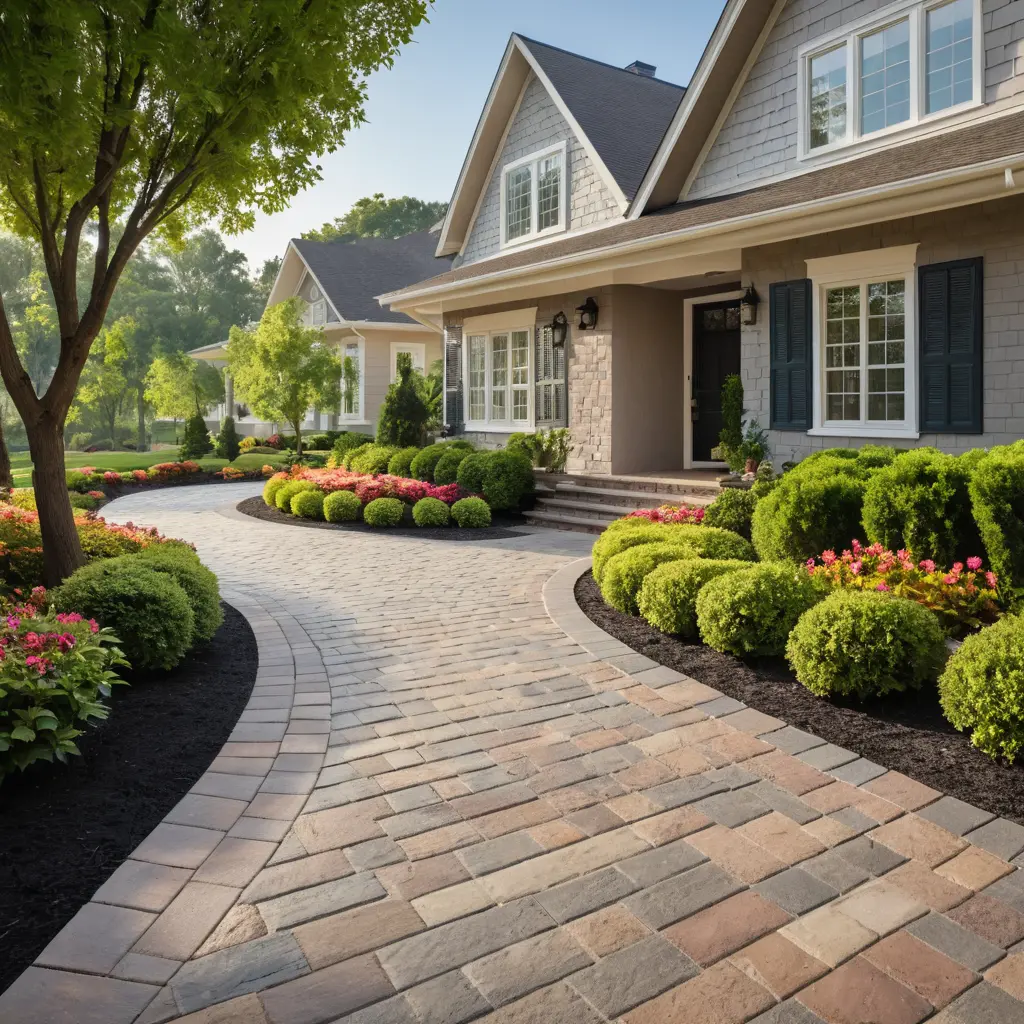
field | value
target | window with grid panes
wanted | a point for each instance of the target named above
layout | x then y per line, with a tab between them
476	393
533	191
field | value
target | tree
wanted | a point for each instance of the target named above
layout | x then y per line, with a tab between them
377	217
403	413
178	387
283	369
103	385
158	116
265	279
228	441
196	443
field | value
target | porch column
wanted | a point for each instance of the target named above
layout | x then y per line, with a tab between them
229	395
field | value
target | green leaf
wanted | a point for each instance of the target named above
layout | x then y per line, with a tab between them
23	733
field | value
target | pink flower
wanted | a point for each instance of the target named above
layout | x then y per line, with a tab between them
927	564
974	564
65	642
39	664
992	580
882	586
94	625
828	557
856	546
903	554
810	565
949	579
855	567
13	622
958	567
33	641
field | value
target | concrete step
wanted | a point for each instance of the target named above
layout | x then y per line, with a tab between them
585	509
677	487
565	521
629	499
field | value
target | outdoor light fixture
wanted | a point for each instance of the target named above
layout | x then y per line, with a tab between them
748	306
559	329
588	314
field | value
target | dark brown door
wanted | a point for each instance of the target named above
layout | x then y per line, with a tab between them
716	354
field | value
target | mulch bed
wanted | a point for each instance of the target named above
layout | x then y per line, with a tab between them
501	524
902	732
65	828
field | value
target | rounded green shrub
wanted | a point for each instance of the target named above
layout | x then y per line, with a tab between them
874	456
668	597
283	498
447	469
148	610
471	472
732	510
200	585
424	463
372	459
471	513
384	512
401	462
271	487
353	453
86	502
343	444
342	507
997	501
431	512
308	504
920	502
76	481
982	688
508	479
863	643
625	572
752	611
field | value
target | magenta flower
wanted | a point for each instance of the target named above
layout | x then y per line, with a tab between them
855	567
974	564
828	557
992	580
39	664
882	586
927	564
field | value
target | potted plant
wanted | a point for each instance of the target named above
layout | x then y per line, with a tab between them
754	446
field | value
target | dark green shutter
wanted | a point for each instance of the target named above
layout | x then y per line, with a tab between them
453	377
791	350
950	331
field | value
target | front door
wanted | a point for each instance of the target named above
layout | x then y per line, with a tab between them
716	354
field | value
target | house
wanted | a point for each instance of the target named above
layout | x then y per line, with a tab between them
831	209
338	282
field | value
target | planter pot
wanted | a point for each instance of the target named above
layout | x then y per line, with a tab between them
751	466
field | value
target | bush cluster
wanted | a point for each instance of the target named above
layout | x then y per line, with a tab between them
732	510
997	500
342	507
624	573
371	458
384	512
343	444
668	597
471	513
431	512
400	464
426	460
283	496
308	504
447	469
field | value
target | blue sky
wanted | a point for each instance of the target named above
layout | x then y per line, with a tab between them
421	113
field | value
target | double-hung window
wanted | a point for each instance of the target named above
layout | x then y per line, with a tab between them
903	65
533	196
498	379
352	381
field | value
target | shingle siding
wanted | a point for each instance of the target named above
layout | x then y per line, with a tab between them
538	124
758	140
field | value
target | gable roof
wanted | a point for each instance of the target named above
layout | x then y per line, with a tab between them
352	273
618	116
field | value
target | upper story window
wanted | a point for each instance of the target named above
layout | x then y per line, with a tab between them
904	65
533	196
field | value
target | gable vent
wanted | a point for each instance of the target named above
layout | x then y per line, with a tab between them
638	67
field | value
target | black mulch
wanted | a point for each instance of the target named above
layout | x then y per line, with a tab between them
903	732
65	828
499	529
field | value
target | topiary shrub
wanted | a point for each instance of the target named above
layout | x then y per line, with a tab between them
283	498
982	688
199	583
403	416
431	512
447	469
625	572
271	487
752	611
732	510
997	502
342	507
668	597
308	504
148	610
920	502
471	513
344	443
196	441
507	479
373	459
424	463
862	643
400	464
354	453
384	512
471	472
228	442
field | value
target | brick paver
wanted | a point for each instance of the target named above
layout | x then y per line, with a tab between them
451	797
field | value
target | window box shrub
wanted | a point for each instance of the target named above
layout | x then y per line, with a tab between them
471	513
342	507
865	644
384	512
625	572
308	504
400	463
732	510
668	597
431	512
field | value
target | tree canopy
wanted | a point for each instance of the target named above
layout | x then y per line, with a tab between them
178	386
377	217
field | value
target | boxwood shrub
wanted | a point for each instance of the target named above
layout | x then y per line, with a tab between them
862	643
471	513
752	611
384	512
732	510
447	469
354	453
507	479
283	498
982	688
401	462
668	597
431	512
342	507
344	444
625	572
308	504
270	489
373	458
997	501
424	463
200	585
471	472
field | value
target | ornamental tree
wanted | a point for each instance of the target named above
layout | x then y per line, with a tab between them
129	117
283	369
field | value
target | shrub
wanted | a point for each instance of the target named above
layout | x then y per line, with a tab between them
447	469
86	502
344	444
354	453
670	514
248	443
372	459
79	442
982	688
507	479
317	443
424	463
272	486
228	443
384	512
196	441
471	513
865	644
148	610
752	611
25	497
730	440
182	564
308	504
283	498
873	456
529	445
732	510
430	512
403	416
401	462
625	572
920	503
342	507
997	501
471	472
76	480
668	597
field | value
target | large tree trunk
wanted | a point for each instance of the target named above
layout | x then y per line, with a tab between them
298	438
6	480
62	551
141	408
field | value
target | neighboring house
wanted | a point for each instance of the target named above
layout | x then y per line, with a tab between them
337	282
856	166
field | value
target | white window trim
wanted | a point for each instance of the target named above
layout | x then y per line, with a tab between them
563	200
487	425
358	417
856	268
410	347
854	143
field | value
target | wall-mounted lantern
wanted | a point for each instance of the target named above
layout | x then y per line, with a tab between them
588	314
748	306
559	329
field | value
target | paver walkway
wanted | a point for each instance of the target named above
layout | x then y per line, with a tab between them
452	798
